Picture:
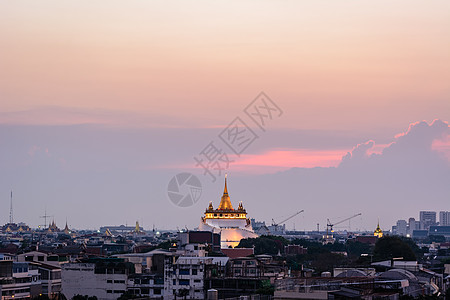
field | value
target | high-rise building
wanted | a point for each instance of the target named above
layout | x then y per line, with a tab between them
413	225
444	218
427	219
402	227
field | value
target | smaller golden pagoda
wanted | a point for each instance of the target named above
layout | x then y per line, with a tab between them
66	229
378	232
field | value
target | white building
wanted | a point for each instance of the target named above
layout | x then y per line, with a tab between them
444	218
186	277
427	219
147	285
107	281
18	280
413	225
49	270
402	227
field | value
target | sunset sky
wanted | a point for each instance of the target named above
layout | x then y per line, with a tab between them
102	102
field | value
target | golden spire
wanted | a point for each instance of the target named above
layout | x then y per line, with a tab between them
137	229
225	203
66	228
378	224
225	190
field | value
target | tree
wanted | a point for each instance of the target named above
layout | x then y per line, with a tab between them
355	248
328	261
166	245
266	288
389	247
265	244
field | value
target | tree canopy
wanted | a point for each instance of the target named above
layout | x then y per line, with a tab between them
389	247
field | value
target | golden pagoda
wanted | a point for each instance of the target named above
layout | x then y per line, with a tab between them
225	209
232	224
52	227
66	229
378	232
137	229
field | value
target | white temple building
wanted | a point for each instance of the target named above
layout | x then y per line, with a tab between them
232	224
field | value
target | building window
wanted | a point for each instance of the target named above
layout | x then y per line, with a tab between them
174	282
40	258
183	281
194	271
109	281
55	275
184	272
157	291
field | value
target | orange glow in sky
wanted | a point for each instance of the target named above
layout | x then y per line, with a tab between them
328	64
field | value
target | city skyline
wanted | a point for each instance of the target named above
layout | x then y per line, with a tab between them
101	107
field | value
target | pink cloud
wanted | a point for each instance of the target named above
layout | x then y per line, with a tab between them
442	146
410	127
289	158
421	137
377	149
275	160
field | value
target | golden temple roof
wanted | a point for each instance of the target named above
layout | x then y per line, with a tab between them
378	232
225	203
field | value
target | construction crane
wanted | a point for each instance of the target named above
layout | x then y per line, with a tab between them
287	219
329	225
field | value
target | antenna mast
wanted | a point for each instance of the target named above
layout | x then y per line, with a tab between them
45	217
11	211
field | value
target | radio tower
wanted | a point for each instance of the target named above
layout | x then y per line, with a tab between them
11	211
